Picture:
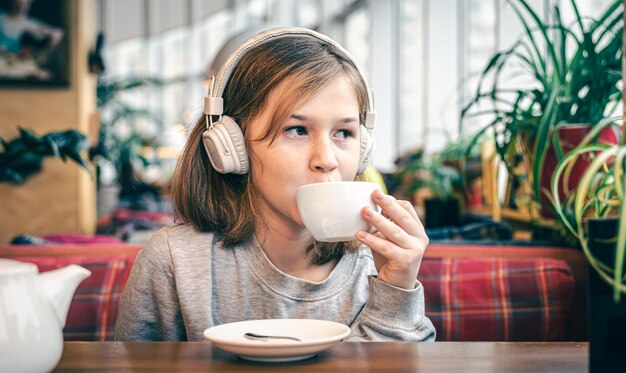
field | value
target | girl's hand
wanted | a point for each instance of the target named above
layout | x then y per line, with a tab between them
399	242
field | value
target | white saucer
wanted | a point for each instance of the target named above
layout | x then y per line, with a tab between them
314	335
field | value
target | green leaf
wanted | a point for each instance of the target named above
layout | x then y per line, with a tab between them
562	41
52	146
28	138
542	143
23	156
108	90
620	250
11	176
544	32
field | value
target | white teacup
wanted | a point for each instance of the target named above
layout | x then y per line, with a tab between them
331	211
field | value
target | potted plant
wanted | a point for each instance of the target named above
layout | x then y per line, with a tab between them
23	156
595	213
545	92
126	132
464	155
434	187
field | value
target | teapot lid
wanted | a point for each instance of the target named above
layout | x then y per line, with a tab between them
13	267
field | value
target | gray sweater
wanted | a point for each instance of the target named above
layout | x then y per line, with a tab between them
184	281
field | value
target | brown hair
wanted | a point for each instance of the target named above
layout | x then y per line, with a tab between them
226	203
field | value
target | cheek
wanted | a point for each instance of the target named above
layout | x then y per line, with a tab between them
351	159
272	163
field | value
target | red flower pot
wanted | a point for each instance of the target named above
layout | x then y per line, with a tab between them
569	137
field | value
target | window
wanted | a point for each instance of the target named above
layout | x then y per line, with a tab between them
129	57
411	108
176	40
422	57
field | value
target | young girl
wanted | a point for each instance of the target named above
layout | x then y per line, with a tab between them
294	109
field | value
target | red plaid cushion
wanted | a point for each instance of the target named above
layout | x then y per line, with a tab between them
93	310
497	299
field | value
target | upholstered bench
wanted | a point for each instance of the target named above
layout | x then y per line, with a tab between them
472	292
482	292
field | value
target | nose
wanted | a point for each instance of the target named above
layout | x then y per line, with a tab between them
323	157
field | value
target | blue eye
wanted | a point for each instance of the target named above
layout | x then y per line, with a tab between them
344	134
296	131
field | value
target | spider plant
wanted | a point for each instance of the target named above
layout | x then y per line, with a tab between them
573	70
599	194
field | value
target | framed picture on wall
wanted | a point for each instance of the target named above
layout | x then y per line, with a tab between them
34	43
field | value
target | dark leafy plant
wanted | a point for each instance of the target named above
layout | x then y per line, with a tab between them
23	156
113	110
119	115
447	174
460	149
443	181
574	72
108	90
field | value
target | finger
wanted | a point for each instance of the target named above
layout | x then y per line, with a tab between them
379	245
389	229
398	214
408	206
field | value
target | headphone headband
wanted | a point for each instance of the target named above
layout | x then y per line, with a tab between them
214	103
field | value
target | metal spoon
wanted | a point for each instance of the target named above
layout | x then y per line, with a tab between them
259	337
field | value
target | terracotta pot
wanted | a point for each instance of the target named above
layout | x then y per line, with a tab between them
569	136
472	193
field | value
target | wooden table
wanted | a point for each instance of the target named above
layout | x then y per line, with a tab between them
437	357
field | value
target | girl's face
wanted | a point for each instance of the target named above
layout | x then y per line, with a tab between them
319	142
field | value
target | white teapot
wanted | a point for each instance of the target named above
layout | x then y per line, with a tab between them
33	309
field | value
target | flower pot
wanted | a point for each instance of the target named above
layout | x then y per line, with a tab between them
473	193
471	169
606	319
569	137
442	213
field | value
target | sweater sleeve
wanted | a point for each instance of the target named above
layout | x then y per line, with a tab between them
149	308
392	314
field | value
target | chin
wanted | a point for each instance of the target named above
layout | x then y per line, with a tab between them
295	217
298	220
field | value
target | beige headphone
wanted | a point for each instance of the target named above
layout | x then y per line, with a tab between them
223	140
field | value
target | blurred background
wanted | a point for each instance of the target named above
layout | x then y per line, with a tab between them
500	120
421	57
138	78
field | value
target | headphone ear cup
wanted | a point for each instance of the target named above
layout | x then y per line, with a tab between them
367	148
226	147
